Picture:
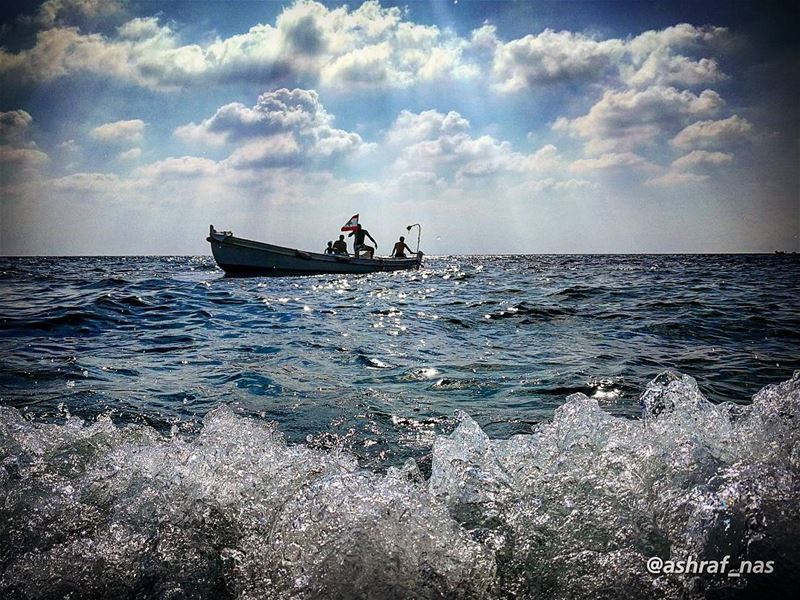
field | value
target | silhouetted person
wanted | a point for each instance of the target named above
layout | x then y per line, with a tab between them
340	246
359	244
329	249
399	249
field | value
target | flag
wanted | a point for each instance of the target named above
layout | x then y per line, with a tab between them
352	224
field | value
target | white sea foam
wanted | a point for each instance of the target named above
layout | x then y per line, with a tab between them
571	511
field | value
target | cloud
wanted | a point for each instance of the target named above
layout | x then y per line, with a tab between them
54	12
655	58
273	151
18	154
274	112
417	178
663	67
282	124
608	161
680	36
88	183
119	131
705	134
411	127
698	158
200	134
368	66
676	178
624	120
142	28
184	167
682	171
536	186
441	144
552	57
651	58
370	47
69	145
131	154
14	125
62	52
22	157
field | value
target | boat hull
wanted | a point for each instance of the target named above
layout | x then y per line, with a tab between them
238	256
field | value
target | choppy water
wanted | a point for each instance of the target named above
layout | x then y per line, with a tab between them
168	432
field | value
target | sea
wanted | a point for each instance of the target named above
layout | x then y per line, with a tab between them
541	426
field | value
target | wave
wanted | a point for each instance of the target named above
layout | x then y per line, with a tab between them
572	510
530	313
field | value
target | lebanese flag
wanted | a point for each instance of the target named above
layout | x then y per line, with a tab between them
351	225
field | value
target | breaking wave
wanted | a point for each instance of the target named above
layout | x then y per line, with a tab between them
572	510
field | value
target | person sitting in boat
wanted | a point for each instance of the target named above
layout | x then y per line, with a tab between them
340	246
329	249
399	250
359	245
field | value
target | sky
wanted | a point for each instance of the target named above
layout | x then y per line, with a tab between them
501	127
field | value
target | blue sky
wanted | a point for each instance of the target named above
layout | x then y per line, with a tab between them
541	127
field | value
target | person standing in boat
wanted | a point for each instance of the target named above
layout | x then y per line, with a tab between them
340	246
400	247
359	244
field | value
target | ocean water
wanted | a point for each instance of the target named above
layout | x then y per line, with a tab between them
485	427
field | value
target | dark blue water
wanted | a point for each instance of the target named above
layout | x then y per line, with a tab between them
112	371
388	358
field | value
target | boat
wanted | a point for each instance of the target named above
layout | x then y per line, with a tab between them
239	256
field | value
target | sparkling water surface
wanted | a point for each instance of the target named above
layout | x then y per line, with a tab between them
166	431
386	359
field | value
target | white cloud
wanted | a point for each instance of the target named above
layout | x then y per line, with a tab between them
682	170
143	28
52	12
14	126
608	161
17	152
697	158
679	36
655	58
69	146
417	178
624	120
412	127
552	57
65	51
22	157
544	159
282	124
92	183
440	144
651	58
663	67
368	66
281	110
184	167
536	186
676	178
120	131
131	154
277	150
200	134
366	47
704	134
